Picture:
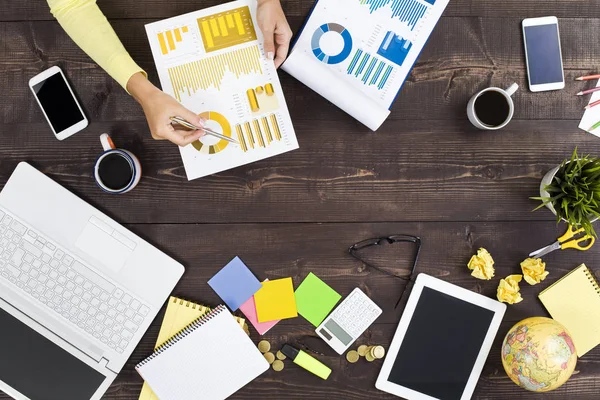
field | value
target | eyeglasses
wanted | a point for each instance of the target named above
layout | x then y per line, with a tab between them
390	240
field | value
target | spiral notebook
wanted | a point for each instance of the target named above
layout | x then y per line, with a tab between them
179	314
212	358
574	301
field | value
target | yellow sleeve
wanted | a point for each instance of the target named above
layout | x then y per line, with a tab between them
88	27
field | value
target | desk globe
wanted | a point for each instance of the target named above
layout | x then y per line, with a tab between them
538	354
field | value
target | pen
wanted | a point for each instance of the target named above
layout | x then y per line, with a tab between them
183	122
594	104
597	124
587	78
588	91
306	361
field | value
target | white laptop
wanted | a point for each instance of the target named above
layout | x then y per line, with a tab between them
77	291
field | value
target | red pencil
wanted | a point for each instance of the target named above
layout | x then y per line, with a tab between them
587	78
588	91
595	103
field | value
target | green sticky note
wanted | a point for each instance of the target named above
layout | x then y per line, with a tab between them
315	299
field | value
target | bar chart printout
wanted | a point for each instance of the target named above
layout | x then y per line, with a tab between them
213	63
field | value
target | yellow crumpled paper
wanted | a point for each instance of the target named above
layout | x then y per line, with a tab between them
508	289
482	265
534	270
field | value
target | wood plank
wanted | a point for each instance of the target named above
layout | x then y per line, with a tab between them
15	10
281	250
463	56
408	171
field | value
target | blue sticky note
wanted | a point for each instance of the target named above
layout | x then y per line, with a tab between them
235	283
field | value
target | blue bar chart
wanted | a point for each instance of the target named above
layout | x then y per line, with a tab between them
369	69
407	11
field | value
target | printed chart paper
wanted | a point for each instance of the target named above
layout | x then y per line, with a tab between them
358	53
213	62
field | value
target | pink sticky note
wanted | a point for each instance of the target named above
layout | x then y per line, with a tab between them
249	310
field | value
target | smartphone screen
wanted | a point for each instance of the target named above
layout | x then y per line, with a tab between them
543	54
58	102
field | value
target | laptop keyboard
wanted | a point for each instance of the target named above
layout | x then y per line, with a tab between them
60	281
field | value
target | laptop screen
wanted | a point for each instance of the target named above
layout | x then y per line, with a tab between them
40	369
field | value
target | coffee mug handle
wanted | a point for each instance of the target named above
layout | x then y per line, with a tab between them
512	89
107	143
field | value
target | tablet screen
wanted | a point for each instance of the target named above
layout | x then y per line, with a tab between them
441	344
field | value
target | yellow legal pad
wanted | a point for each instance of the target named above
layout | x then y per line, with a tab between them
574	301
180	313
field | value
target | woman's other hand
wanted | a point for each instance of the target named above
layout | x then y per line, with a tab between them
275	29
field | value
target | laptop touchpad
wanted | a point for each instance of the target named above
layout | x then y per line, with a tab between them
103	247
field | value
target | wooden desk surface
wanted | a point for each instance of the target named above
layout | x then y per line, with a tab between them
425	172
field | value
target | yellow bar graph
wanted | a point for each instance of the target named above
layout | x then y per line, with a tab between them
168	40
190	77
258	133
227	29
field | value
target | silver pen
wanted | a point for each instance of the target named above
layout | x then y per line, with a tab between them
183	122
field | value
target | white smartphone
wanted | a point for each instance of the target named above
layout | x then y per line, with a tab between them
58	103
543	54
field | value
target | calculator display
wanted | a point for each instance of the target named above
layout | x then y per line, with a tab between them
441	345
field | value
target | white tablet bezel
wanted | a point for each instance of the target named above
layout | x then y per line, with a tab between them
451	290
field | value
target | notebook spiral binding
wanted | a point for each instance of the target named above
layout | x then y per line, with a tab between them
181	334
593	280
189	304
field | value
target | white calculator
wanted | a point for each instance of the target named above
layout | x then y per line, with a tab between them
348	321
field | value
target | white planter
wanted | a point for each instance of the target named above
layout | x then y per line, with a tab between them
546	180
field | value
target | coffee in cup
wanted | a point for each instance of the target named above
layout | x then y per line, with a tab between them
492	108
116	170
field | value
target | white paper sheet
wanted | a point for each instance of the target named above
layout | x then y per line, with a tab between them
213	62
591	116
358	53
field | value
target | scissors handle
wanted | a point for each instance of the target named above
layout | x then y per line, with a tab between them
578	243
570	233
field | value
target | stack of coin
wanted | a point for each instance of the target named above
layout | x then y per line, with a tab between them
371	353
277	364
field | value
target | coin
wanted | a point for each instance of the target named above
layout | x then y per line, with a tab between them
264	346
369	357
362	350
352	356
378	352
277	365
280	356
269	357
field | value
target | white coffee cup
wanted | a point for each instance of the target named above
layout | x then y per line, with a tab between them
511	107
127	177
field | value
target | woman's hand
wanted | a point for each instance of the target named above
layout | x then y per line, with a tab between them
275	29
159	107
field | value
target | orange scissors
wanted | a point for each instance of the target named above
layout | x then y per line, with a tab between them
572	239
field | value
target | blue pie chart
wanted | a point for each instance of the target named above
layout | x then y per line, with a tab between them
331	58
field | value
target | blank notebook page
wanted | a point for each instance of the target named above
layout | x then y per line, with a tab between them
574	301
213	361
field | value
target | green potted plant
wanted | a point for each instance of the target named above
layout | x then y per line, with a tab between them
572	191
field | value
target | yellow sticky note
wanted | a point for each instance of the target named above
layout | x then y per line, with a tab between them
275	300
